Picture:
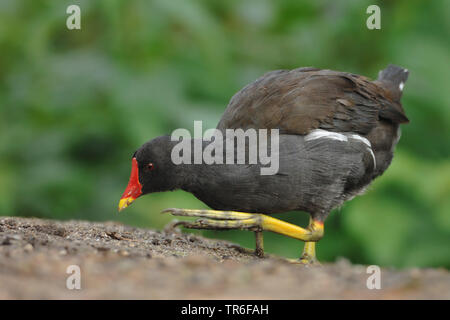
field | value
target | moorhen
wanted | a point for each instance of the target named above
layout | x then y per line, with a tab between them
337	133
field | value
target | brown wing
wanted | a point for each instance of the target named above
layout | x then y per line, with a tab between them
300	100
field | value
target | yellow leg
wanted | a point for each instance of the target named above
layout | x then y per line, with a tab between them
309	253
309	250
225	220
217	220
308	256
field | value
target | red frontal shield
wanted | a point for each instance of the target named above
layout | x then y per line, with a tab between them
133	190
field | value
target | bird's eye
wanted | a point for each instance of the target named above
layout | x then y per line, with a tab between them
150	166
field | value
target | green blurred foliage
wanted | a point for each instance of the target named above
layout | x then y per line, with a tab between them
74	105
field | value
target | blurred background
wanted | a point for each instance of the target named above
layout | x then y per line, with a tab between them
75	104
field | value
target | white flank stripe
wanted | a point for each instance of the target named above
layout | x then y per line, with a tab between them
373	157
369	147
320	133
364	140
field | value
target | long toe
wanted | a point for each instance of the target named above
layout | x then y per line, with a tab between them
211	214
210	224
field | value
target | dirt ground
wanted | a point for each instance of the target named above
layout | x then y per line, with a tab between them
122	262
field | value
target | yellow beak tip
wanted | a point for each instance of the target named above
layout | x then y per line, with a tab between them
125	202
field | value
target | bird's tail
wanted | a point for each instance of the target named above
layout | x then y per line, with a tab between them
394	78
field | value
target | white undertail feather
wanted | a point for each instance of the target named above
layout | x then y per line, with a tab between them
396	139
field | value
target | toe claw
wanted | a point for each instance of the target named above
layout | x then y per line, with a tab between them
259	252
170	227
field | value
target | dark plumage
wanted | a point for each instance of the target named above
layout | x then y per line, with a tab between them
337	133
301	100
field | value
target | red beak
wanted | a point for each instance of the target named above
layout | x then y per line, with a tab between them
134	188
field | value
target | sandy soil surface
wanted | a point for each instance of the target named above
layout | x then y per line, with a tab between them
122	262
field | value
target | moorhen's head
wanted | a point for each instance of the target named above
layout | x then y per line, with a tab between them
152	170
